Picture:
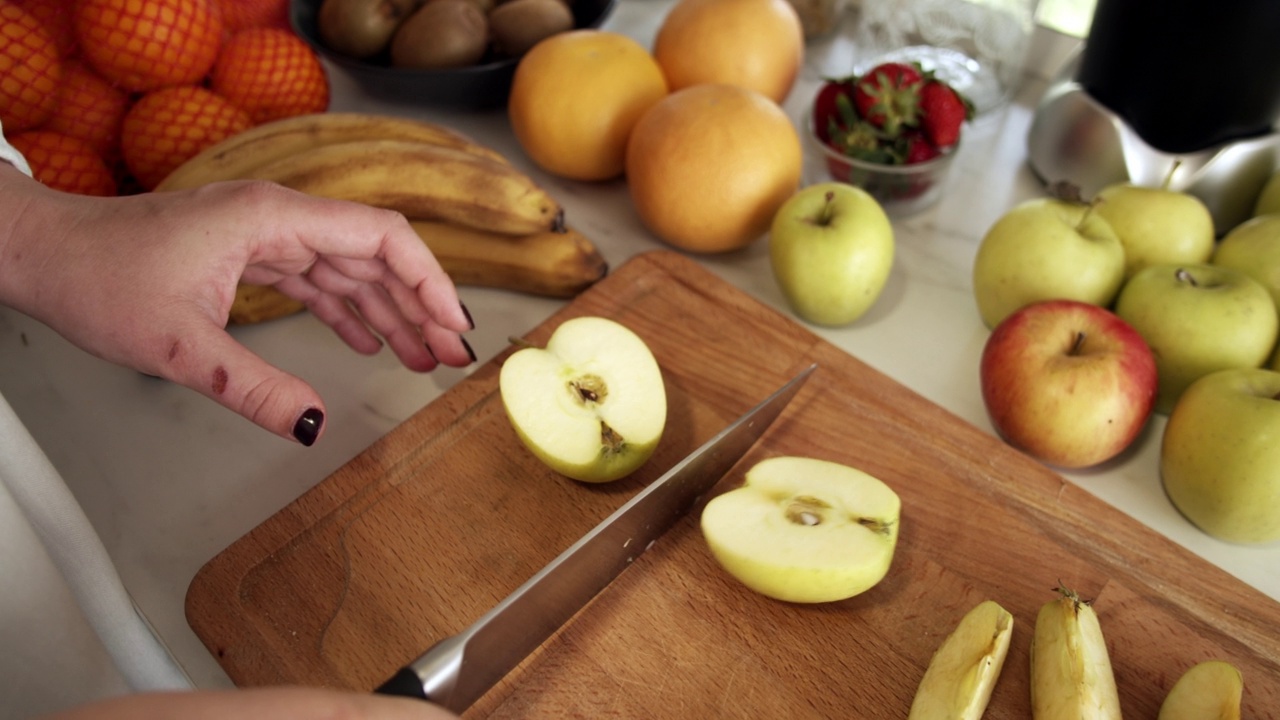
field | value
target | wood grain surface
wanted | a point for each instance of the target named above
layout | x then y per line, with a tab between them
436	522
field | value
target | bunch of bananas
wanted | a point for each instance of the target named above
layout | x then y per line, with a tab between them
488	224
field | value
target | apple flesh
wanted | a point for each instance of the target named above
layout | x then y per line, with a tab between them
963	672
1198	319
591	404
804	530
1211	689
1067	382
1046	249
1157	225
1220	455
831	250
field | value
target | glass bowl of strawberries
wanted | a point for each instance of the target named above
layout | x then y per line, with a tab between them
892	130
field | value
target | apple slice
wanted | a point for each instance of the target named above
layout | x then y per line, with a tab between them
1210	690
804	530
964	670
1071	675
592	404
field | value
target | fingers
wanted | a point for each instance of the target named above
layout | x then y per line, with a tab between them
289	703
208	360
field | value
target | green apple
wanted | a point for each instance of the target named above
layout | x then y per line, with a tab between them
963	672
1046	249
591	404
831	248
1198	319
1269	198
1157	225
1220	455
1211	689
804	530
1253	248
1069	383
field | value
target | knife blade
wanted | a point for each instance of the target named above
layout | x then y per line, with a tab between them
457	670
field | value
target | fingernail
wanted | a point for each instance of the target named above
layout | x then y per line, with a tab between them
434	359
307	429
467	345
467	312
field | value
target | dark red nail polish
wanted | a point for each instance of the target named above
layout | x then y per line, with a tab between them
467	312
307	429
471	353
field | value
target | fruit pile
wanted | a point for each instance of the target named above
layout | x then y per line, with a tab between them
893	114
106	97
439	34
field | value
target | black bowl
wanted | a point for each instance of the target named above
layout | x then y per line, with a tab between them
481	86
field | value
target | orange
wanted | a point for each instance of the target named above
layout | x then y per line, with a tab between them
64	162
240	15
166	127
144	45
575	97
55	16
89	108
709	166
271	74
30	70
758	44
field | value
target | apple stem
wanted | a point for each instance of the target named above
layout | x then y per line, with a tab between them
1078	343
1183	276
828	209
1168	178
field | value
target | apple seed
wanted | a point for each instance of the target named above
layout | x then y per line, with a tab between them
876	525
806	511
589	388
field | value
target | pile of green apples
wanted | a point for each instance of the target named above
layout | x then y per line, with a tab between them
1107	311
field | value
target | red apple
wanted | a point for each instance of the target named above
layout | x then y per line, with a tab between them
1067	382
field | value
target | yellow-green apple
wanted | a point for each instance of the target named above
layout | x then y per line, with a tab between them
1268	201
1197	319
963	671
831	248
591	404
1209	689
1220	455
1157	225
1067	382
1046	249
1253	248
804	530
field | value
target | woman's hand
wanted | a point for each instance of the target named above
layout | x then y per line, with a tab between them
147	281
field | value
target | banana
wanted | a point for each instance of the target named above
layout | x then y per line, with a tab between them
963	671
1071	676
552	264
422	181
242	153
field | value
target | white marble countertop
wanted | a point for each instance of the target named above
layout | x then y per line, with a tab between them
170	479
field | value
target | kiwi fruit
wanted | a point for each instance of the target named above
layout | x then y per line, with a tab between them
442	34
361	28
518	25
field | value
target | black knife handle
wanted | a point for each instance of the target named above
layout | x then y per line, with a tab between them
404	683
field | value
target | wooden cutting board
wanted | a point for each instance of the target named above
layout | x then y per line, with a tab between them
436	522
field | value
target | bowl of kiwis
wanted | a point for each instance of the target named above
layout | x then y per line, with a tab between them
452	53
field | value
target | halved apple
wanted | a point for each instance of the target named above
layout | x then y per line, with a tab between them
1210	690
591	404
964	669
804	530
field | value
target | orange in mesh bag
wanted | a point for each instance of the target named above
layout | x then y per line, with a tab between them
271	73
30	70
65	163
143	45
166	127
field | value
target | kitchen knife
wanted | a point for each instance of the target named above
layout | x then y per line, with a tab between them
456	671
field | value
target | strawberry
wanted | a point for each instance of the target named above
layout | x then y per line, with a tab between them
919	148
831	107
942	112
888	95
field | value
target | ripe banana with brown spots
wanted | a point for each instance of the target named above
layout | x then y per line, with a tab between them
422	181
242	153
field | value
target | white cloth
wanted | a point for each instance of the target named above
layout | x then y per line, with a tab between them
69	632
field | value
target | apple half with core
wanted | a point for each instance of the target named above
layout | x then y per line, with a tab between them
1157	225
591	404
1067	382
831	248
1220	455
1046	249
804	530
1198	319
